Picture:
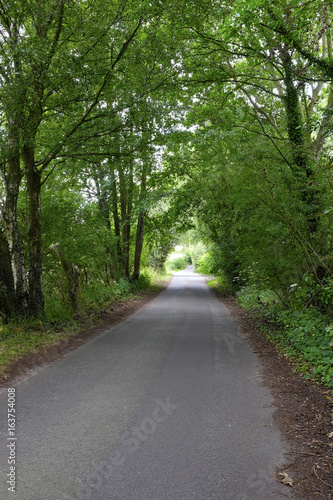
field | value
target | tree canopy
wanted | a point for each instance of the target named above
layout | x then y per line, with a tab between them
124	123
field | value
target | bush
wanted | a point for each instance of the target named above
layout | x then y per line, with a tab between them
155	275
254	297
99	294
57	310
205	264
142	282
188	258
177	264
197	251
221	285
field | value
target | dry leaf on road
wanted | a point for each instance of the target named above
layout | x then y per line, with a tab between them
286	479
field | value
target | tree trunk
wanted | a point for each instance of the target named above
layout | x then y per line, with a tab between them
302	164
7	290
72	274
138	245
140	227
116	220
126	197
36	296
105	202
12	177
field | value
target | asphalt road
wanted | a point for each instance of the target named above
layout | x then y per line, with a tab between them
167	405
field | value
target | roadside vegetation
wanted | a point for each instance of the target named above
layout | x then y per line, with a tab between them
128	128
178	263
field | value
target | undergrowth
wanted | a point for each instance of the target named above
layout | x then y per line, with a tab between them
304	335
178	264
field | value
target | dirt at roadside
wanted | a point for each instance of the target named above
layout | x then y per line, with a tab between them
303	413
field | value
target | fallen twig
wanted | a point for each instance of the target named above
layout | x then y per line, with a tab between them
324	482
305	453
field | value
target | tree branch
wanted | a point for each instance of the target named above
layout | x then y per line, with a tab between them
87	113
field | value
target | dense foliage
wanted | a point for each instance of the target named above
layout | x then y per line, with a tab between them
83	120
126	123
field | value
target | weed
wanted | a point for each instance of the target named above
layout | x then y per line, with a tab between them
304	335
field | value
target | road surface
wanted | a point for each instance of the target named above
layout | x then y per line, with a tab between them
167	405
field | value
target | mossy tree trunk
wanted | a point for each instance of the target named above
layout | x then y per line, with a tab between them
302	159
